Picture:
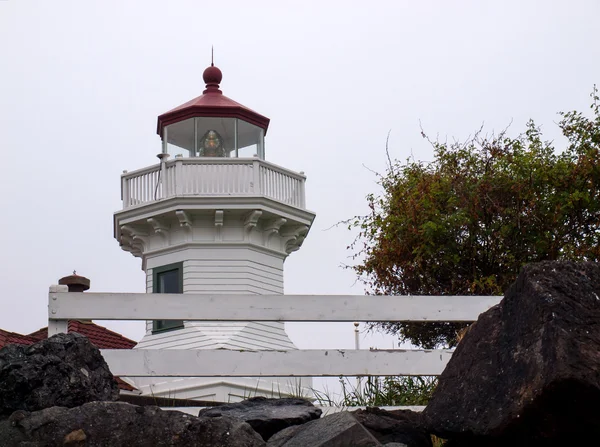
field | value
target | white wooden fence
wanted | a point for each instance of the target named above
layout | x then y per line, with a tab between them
220	177
64	306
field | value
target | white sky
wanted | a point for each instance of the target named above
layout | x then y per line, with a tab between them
81	85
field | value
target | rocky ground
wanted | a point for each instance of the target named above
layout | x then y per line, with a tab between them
527	373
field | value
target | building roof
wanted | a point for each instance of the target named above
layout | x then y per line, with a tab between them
98	335
212	103
7	338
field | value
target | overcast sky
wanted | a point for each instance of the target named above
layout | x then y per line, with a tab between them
82	82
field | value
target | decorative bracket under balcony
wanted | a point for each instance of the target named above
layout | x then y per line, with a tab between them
272	227
295	237
219	214
159	227
251	220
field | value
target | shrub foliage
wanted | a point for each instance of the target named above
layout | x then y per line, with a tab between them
466	222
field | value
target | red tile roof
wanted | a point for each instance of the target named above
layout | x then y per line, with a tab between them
101	337
124	385
7	338
98	335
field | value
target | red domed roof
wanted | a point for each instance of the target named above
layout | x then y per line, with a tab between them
212	103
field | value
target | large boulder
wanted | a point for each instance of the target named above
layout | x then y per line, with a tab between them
362	428
267	416
63	370
336	430
528	371
396	426
103	424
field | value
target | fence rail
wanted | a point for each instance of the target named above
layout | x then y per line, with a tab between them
64	306
296	363
212	177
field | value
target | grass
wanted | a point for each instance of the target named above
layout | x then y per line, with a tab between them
372	392
437	442
296	390
381	392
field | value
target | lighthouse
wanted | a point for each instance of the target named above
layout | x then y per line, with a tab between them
213	216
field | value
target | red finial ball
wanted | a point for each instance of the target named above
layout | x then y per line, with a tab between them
212	76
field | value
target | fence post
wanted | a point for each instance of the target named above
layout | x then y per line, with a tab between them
56	326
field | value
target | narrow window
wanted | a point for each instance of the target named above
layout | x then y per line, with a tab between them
167	279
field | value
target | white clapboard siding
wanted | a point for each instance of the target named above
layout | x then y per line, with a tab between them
254	275
149	289
247	339
260	278
229	307
254	269
251	263
295	363
173	339
261	263
232	285
212	335
267	329
245	335
231	274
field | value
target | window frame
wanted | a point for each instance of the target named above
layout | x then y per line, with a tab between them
160	326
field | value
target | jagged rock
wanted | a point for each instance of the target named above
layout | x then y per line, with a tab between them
268	416
528	371
398	426
103	424
63	370
336	430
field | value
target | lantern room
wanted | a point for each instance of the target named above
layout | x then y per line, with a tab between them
213	125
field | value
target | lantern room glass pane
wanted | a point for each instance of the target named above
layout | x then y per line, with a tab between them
216	137
180	138
250	140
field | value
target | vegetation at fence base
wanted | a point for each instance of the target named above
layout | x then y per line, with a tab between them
466	222
381	392
295	389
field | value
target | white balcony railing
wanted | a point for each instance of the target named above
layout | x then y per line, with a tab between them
212	177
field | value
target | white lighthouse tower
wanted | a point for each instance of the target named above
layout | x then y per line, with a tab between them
213	216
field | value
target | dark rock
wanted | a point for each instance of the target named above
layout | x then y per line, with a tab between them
528	371
280	439
268	416
336	430
103	424
63	370
398	426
